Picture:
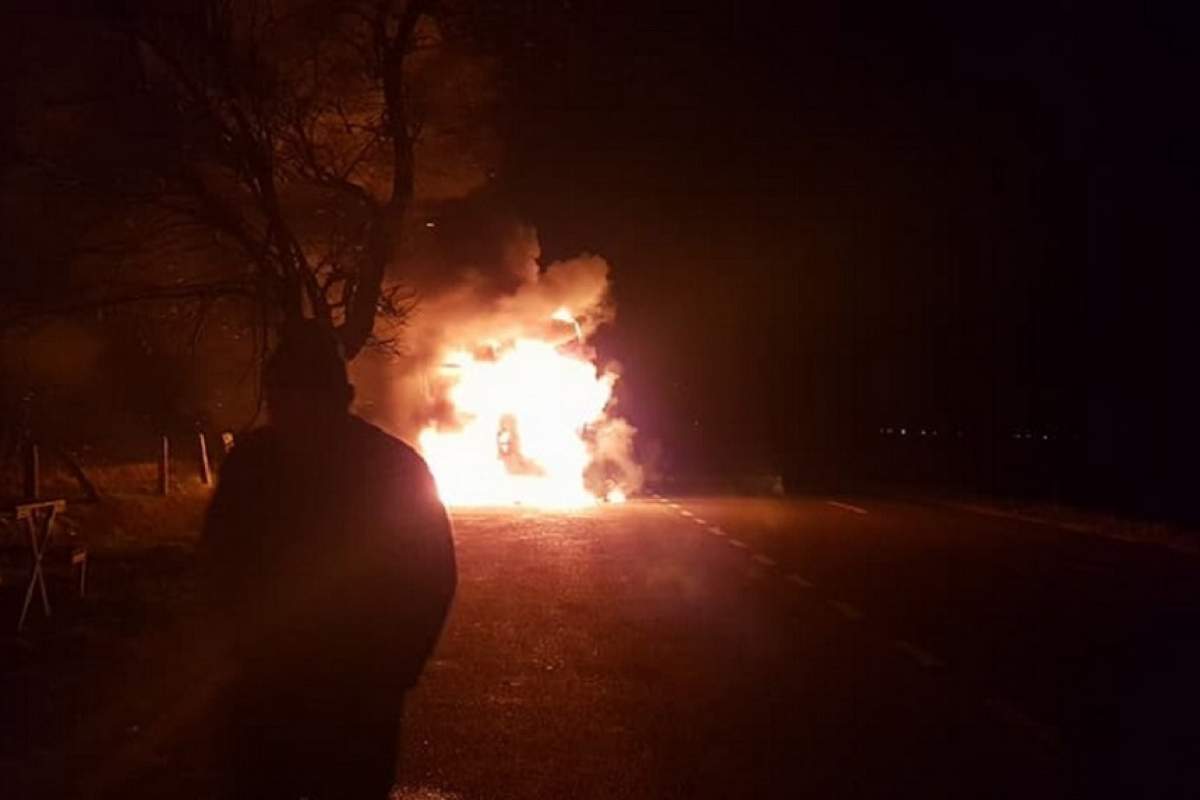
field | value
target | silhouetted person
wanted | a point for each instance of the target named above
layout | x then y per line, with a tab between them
332	566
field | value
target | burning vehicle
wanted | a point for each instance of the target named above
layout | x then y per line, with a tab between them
528	423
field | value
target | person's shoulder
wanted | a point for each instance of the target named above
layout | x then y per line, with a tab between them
261	438
394	464
385	445
254	446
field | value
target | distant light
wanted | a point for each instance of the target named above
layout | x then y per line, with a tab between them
430	224
904	432
1045	438
616	496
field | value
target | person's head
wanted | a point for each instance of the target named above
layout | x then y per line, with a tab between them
306	380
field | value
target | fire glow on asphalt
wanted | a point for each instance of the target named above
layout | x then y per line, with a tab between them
527	413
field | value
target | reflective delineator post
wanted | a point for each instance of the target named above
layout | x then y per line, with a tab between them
205	467
33	472
164	467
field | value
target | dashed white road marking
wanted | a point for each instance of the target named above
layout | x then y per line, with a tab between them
1003	709
847	610
919	654
801	582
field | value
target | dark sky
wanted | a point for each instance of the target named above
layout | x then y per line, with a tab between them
829	218
826	218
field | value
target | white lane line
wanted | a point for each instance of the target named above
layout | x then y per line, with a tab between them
715	530
766	561
796	579
846	507
847	610
699	521
687	513
919	654
737	543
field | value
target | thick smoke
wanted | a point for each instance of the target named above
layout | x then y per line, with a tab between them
480	286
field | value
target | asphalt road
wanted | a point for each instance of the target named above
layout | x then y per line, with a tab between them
722	647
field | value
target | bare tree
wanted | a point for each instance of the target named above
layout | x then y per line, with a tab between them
279	130
297	121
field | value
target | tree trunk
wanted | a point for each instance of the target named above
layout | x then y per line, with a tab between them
387	226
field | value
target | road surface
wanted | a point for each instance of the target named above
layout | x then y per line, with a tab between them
734	647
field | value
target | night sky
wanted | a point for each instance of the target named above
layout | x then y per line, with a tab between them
830	222
838	218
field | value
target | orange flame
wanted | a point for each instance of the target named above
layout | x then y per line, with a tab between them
523	409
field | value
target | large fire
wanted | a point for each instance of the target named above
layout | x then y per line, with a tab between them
525	414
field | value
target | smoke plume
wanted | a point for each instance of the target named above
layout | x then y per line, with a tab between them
481	288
